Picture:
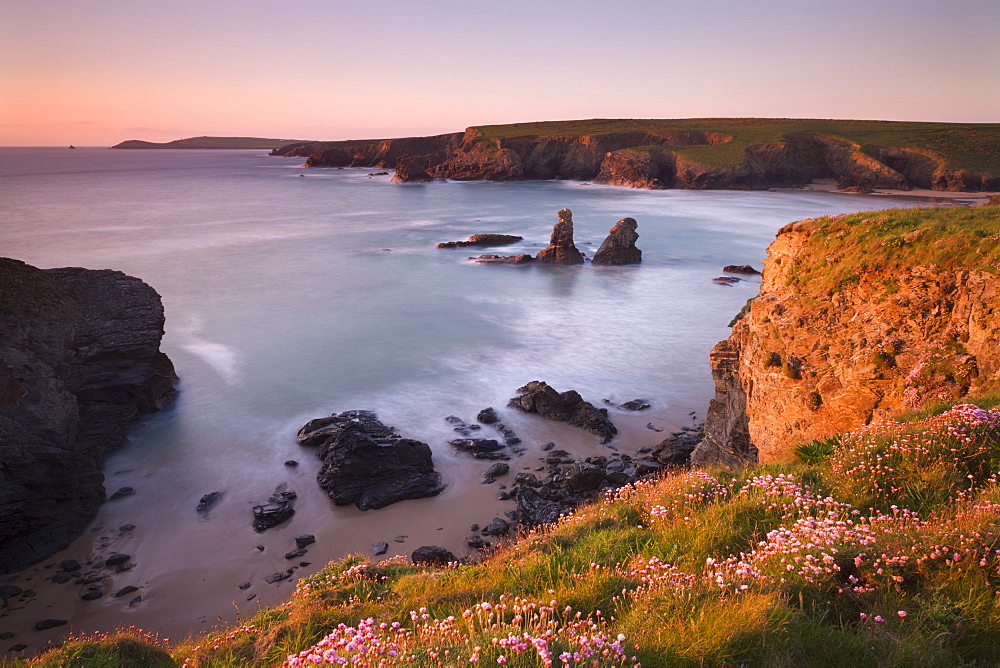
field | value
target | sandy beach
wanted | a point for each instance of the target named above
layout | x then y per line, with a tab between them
920	194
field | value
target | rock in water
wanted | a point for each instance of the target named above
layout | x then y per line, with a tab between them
367	464
523	258
619	247
489	239
411	169
79	363
569	406
278	509
740	269
561	249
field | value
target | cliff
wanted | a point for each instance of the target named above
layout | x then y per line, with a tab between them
210	143
858	318
695	153
79	364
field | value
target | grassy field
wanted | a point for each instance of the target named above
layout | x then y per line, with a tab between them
972	146
880	548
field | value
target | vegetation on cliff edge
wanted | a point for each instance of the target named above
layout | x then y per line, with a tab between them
971	146
845	250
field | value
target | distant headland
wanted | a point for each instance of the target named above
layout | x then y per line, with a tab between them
695	153
211	143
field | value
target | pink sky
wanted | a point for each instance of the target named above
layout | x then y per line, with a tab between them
96	72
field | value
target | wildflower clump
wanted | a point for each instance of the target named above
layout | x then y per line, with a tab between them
922	464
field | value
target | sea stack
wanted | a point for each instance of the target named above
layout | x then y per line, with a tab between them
561	249
619	247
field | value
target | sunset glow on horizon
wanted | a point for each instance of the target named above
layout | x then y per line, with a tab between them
99	72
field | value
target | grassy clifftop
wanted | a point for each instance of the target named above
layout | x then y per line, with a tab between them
844	248
971	146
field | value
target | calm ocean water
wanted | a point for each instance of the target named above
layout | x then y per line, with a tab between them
291	296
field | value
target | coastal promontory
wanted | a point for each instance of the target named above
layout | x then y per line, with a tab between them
859	317
79	364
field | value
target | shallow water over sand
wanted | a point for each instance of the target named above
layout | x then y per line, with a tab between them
289	297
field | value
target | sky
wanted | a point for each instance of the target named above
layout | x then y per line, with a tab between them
97	72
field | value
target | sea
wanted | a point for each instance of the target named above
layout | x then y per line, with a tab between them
294	293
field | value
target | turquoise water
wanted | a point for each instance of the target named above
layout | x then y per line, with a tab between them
292	293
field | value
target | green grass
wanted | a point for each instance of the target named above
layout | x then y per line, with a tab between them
971	146
842	250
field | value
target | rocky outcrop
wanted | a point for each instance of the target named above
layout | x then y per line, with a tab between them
482	240
538	397
836	340
79	364
561	249
367	464
381	153
411	169
619	247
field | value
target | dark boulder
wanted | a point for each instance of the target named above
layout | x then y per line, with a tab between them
488	416
480	448
125	591
461	426
477	542
676	449
635	405
496	470
47	624
498	527
538	397
122	493
367	464
117	560
380	547
561	249
432	555
278	509
740	269
207	502
69	565
304	540
619	246
482	240
411	169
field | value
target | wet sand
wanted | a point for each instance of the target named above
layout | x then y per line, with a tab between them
197	588
916	194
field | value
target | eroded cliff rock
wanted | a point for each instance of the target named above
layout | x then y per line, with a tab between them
561	249
858	317
79	364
